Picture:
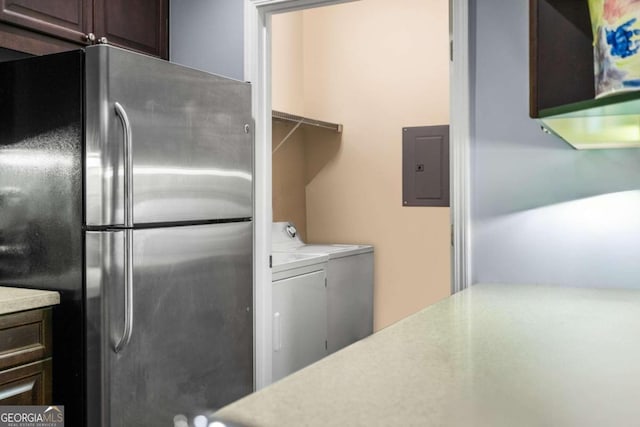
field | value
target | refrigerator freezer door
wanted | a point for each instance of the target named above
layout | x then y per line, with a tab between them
191	345
190	138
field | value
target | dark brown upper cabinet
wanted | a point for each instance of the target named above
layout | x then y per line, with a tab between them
69	20
39	27
140	25
560	55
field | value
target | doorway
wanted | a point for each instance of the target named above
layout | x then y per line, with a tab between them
258	66
373	68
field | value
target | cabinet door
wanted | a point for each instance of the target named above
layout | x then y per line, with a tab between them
67	19
299	322
24	337
140	25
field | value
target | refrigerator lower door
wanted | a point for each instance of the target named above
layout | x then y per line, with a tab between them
191	332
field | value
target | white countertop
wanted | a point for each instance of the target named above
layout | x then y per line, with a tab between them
19	299
493	355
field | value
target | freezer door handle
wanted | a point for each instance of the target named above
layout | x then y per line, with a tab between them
128	165
128	292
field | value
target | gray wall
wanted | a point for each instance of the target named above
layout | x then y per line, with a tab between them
542	212
208	35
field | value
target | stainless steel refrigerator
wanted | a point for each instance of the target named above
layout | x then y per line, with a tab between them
126	185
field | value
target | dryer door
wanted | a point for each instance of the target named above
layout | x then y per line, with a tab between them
299	322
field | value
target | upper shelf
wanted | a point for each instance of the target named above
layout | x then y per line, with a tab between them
299	121
608	122
279	115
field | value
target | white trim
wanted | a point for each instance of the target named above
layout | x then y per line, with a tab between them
460	148
257	65
266	7
258	72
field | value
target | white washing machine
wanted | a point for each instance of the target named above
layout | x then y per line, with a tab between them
349	284
299	313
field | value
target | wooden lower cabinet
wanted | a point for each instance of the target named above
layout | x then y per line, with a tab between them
27	384
25	358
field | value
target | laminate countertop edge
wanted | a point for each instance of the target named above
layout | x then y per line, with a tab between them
20	299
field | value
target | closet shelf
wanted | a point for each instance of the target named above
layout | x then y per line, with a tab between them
279	115
299	120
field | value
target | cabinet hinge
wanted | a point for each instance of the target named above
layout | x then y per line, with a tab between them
270	261
451	50
326	345
325	282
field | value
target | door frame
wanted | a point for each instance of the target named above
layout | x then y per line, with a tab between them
257	70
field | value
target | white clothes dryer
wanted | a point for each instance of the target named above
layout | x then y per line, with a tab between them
299	315
349	284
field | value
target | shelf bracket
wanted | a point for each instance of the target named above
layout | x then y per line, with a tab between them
299	120
298	123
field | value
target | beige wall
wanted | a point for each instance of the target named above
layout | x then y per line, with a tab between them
289	174
376	66
287	84
289	177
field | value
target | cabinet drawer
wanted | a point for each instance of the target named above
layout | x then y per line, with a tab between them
24	337
26	385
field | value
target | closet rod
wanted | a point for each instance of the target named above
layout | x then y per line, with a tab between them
279	115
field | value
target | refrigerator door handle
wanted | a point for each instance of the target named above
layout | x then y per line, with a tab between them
128	292
128	165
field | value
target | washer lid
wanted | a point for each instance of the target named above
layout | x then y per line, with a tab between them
285	238
333	251
281	261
